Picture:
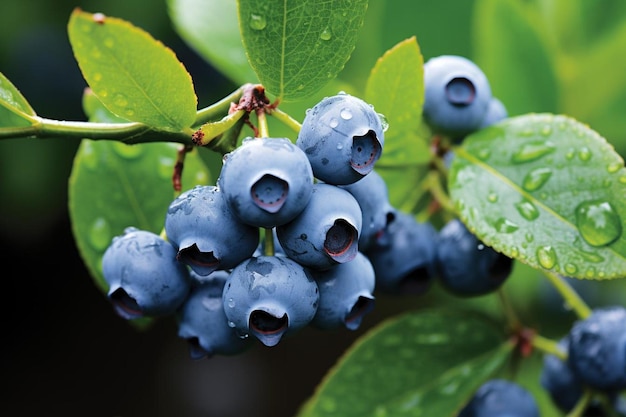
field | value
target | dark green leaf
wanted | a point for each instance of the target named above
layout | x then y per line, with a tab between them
212	29
14	109
135	76
514	51
418	353
113	186
547	190
297	46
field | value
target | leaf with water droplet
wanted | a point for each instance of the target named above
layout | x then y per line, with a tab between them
135	76
572	207
433	359
297	47
134	188
395	89
14	108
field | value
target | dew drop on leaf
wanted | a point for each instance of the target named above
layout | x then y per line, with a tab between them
536	178
546	256
532	151
257	22
527	210
503	225
598	222
570	269
326	34
584	154
100	234
613	167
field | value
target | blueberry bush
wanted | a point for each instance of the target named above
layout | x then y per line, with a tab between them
477	191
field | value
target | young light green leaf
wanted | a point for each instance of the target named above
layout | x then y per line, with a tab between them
14	108
397	360
297	46
547	190
212	29
135	76
134	188
396	90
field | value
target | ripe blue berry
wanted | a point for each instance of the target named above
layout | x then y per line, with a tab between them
326	233
144	277
343	138
203	323
501	398
372	195
205	232
266	181
495	113
559	381
269	297
346	294
456	95
466	267
403	255
597	349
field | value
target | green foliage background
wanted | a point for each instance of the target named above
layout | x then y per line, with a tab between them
560	56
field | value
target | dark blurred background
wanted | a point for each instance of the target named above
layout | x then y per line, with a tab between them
64	351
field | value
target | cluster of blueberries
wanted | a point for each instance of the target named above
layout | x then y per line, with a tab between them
302	234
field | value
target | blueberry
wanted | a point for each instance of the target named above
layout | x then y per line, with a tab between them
496	112
564	388
456	95
269	297
501	398
144	277
206	234
597	349
266	181
403	255
326	233
373	197
203	324
343	138
346	294
466	266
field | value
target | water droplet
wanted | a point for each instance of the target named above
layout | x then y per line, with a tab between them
231	324
527	210
346	114
546	256
546	130
127	151
514	252
622	179
483	154
257	22
532	151
503	225
492	197
598	222
570	269
591	257
529	237
102	93
590	272
383	121
569	155
536	178
584	154
120	100
339	146
614	167
231	303
100	234
326	34
333	123
129	112
97	76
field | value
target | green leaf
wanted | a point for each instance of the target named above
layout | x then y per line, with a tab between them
395	88
512	48
211	28
547	190
113	186
135	76
297	46
425	353
14	108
